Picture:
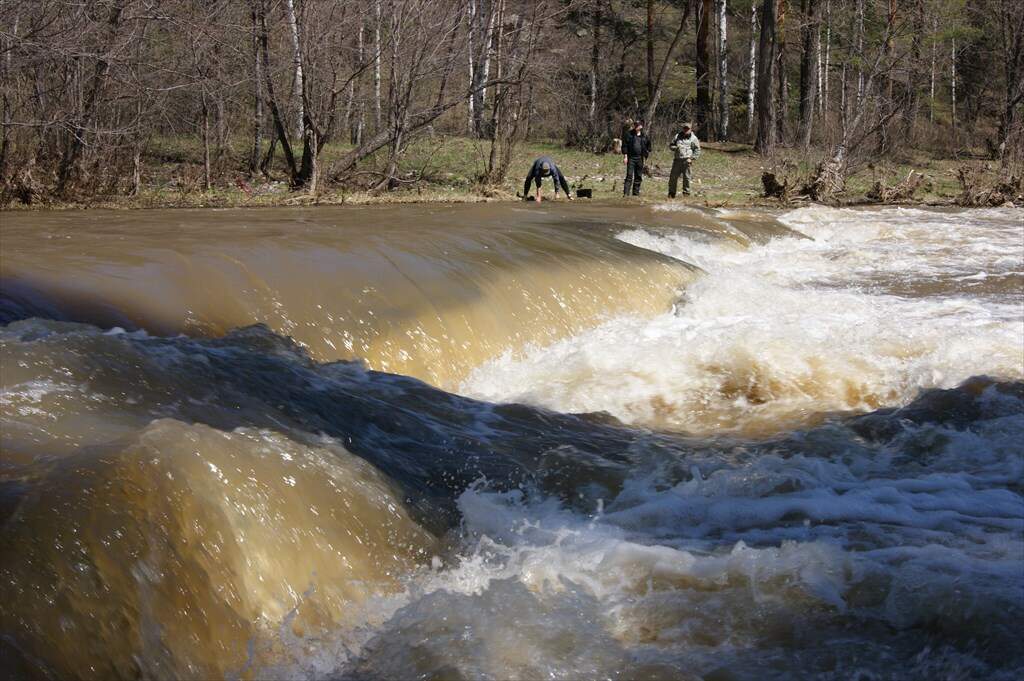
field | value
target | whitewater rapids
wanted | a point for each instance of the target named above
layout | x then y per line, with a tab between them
665	444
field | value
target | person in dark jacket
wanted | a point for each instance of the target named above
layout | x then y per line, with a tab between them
636	147
545	167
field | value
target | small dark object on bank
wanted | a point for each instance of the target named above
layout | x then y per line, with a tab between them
773	189
584	193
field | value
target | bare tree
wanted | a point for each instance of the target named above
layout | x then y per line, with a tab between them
1011	21
752	69
810	33
703	75
723	70
97	82
652	105
650	50
257	91
765	141
595	62
297	82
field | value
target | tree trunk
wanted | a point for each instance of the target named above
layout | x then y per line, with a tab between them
471	98
652	105
378	53
916	74
1012	35
499	94
275	110
595	62
782	116
703	76
257	97
297	83
810	30
827	71
356	134
99	78
5	102
207	181
650	50
765	141
953	83
819	66
859	32
485	18
723	72
931	82
752	82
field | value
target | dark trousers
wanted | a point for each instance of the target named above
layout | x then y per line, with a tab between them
634	176
680	166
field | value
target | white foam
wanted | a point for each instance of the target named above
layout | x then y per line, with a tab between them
776	333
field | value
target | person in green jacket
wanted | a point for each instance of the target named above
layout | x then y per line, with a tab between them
685	149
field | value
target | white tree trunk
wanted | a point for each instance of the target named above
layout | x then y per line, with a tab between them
931	87
484	27
842	94
723	73
470	99
819	66
360	105
954	88
752	84
488	49
297	85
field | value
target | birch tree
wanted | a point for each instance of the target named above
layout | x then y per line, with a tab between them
723	71
297	81
752	69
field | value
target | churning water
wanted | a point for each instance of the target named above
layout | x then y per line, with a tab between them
651	444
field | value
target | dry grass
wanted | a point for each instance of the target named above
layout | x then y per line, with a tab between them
727	174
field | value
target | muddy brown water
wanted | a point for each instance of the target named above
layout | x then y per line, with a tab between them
511	441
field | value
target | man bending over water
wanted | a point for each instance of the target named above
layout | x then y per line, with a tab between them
545	167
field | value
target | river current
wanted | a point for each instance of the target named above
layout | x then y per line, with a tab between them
500	442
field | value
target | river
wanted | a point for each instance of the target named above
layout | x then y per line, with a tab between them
511	441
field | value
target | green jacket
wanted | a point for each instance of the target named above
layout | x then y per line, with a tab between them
685	148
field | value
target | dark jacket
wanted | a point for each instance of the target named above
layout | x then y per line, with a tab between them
536	175
636	146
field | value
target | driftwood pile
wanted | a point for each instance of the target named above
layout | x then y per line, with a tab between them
901	191
974	194
22	187
826	181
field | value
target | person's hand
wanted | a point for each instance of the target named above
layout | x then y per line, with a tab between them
625	159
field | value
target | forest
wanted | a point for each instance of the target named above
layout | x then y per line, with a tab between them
114	97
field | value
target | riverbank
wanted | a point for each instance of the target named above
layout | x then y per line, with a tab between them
447	171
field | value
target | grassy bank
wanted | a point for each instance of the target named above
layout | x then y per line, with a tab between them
446	170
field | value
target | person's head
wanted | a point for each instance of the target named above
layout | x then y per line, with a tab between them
545	169
638	125
686	128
